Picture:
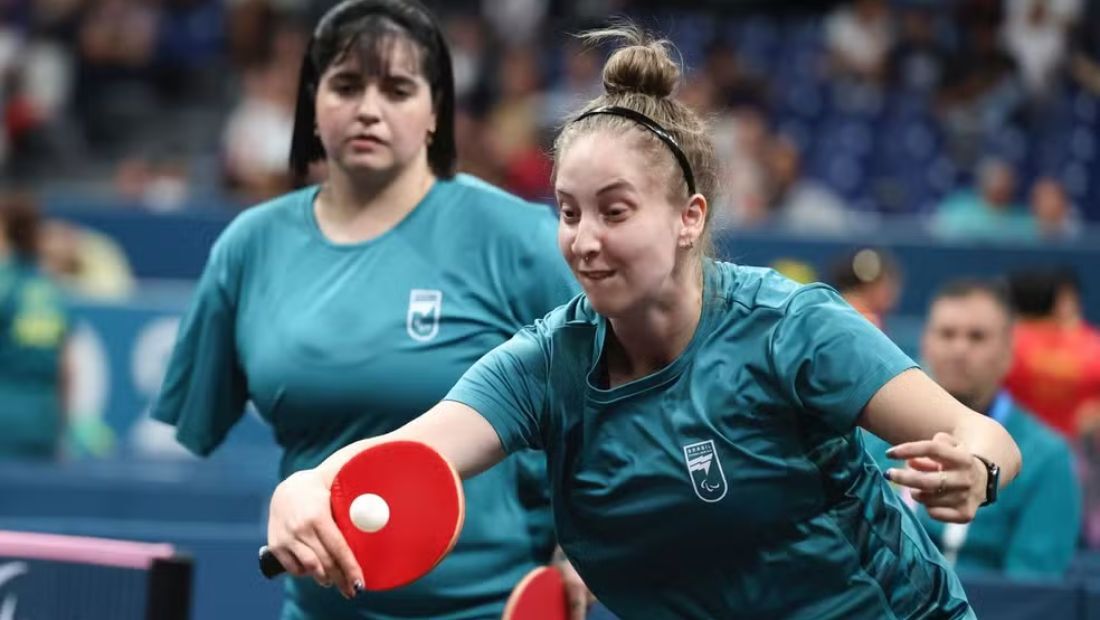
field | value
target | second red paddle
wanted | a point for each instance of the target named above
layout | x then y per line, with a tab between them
400	507
540	595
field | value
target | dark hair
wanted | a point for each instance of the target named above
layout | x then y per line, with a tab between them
996	290
366	23
1034	291
19	216
640	76
860	267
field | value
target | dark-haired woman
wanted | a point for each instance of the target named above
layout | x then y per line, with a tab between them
343	310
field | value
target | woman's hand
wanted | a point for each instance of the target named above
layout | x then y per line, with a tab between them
943	475
303	536
578	596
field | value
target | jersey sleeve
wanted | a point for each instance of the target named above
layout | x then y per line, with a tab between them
828	360
205	389
508	387
541	279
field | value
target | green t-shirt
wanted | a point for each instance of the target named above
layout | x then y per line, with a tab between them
732	483
334	343
34	322
1031	532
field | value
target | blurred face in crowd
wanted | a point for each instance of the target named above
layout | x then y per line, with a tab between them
375	121
998	183
620	231
1049	204
967	346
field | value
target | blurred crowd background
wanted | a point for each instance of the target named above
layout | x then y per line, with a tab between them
979	115
884	146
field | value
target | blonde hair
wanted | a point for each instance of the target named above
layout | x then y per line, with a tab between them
641	75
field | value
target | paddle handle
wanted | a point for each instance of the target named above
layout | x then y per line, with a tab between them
269	564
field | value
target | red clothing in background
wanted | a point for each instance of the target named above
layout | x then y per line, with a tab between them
1056	372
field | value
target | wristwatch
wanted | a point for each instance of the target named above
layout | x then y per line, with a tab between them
992	480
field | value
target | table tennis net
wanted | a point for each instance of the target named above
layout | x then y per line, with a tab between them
82	578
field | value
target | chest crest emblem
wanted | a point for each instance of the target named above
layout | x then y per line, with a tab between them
422	321
705	470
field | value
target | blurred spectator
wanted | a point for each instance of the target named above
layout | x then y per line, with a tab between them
981	90
1056	363
116	53
190	44
514	123
515	22
870	281
734	82
1032	530
159	184
741	139
916	63
797	202
580	81
474	157
1036	33
991	214
470	50
1056	218
256	141
1085	55
859	36
85	262
34	326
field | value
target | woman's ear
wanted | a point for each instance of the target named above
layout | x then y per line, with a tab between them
694	220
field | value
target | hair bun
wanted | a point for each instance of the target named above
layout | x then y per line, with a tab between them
644	68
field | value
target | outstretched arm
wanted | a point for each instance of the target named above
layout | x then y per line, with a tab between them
301	532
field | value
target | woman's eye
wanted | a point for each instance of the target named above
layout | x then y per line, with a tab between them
346	89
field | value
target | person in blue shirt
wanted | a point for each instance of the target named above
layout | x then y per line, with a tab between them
34	329
699	418
343	310
1032	530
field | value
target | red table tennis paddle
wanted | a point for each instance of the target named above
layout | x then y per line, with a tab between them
540	595
426	509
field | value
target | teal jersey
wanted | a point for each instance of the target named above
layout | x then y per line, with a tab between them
732	483
1031	532
335	343
34	323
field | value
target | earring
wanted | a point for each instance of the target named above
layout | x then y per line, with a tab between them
687	245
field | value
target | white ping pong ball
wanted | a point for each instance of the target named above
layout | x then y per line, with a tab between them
369	513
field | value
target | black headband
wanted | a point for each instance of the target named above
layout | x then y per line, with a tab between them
657	130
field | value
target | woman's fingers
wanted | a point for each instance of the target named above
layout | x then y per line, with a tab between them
947	454
921	463
308	561
929	481
288	561
345	570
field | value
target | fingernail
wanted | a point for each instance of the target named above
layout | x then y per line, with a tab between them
890	453
886	474
358	585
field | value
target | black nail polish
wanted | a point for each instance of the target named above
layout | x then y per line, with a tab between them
358	585
886	474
